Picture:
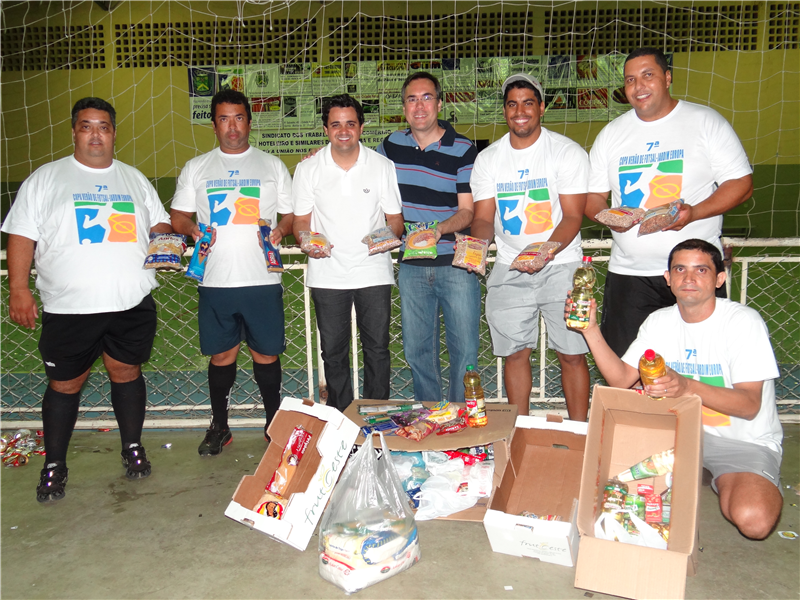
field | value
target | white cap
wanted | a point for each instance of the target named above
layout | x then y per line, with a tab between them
527	79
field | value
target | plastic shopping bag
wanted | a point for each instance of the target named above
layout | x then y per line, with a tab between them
367	532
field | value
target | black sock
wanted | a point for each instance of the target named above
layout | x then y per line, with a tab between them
220	383
59	413
269	377
129	400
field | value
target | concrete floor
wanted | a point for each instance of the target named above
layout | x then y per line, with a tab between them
167	537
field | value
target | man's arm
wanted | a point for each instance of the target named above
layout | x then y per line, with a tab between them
595	202
729	195
572	209
396	224
21	304
284	228
183	223
616	372
460	220
161	228
743	401
483	222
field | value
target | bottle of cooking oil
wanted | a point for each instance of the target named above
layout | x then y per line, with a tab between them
651	366
582	293
473	395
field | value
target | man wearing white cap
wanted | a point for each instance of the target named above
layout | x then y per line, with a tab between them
530	186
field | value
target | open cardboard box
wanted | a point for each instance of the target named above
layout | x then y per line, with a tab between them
498	431
624	428
543	476
313	481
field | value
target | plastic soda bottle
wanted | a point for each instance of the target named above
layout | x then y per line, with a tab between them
473	395
582	293
651	366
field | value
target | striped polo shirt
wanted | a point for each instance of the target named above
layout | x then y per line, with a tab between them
430	181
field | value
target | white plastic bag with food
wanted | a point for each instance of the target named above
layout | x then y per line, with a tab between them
607	527
367	532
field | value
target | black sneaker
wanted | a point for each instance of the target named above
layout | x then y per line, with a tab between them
216	438
135	461
52	480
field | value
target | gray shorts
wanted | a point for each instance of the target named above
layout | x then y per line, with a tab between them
723	455
513	302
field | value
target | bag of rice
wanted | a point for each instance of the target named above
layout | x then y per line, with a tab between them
381	240
471	253
535	256
658	218
621	216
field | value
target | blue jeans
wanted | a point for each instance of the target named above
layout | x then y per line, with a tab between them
373	312
424	293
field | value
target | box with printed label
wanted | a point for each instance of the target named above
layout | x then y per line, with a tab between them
313	477
626	427
542	480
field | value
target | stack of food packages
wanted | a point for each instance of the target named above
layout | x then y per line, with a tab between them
273	501
413	420
16	449
624	497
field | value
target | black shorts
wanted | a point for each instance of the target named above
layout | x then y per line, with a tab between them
70	344
627	301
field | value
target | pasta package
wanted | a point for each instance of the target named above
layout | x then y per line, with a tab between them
274	262
535	255
471	253
271	505
202	249
292	454
381	240
420	240
165	251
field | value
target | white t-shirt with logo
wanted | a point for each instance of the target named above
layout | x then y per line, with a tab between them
345	206
731	346
684	155
525	185
92	231
231	192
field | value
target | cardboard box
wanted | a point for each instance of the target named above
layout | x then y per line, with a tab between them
313	481
624	428
498	431
543	476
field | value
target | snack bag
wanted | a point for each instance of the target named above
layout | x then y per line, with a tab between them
471	253
274	262
202	249
165	251
418	430
381	240
368	532
292	454
536	255
658	218
310	240
420	240
620	217
271	505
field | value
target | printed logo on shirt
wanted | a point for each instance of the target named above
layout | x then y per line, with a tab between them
234	204
650	180
711	418
100	222
526	213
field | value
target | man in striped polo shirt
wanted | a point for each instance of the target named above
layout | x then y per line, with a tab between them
434	164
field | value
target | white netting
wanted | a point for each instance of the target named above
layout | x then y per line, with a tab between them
739	57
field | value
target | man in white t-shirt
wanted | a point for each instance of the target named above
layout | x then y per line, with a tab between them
86	220
662	150
530	186
346	191
230	188
719	350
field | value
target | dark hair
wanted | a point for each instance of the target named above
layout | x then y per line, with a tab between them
421	75
661	59
521	84
702	246
97	104
229	97
341	101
